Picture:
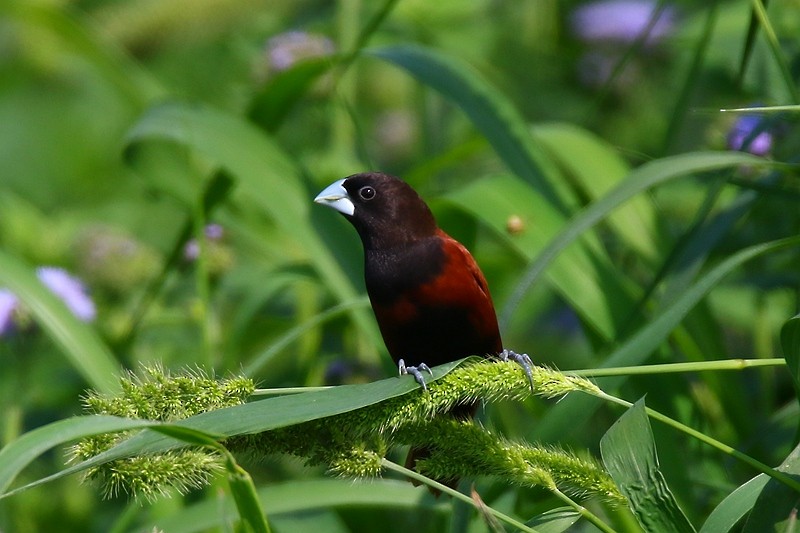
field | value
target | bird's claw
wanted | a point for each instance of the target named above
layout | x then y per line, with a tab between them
415	371
522	359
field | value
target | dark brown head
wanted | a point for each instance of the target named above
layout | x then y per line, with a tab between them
385	210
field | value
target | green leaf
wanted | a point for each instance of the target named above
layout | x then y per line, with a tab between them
110	61
776	506
629	455
273	103
265	175
255	417
595	167
583	274
490	111
18	454
639	180
790	342
554	520
303	496
78	341
735	506
573	410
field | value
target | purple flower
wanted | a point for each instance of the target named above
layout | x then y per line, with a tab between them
622	21
743	136
70	290
212	232
286	49
8	308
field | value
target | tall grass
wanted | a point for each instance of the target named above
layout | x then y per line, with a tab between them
162	153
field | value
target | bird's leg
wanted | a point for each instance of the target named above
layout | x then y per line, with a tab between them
415	371
522	360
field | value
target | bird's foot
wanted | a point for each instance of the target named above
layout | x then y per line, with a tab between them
415	371
522	359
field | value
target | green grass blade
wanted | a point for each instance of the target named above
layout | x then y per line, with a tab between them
735	506
304	496
274	102
629	454
489	110
776	506
18	454
639	180
78	341
554	520
595	167
265	175
790	342
255	417
109	60
775	48
574	410
583	274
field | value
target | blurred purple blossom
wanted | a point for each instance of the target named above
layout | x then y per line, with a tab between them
8	307
622	21
286	49
748	135
212	232
70	290
67	288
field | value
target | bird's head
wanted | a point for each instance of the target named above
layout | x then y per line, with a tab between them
384	209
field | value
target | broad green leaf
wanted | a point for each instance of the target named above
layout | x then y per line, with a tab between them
629	455
254	417
303	496
583	275
735	506
554	520
785	78
273	103
78	341
489	110
596	167
244	494
110	61
265	175
574	410
639	180
18	454
790	342
775	509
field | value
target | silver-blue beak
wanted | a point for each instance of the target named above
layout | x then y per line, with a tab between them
336	197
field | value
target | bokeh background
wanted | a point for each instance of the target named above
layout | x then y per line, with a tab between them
158	159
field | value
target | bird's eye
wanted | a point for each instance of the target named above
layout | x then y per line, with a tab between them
366	193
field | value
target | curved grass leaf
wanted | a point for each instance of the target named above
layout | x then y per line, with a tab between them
78	341
273	103
639	180
786	76
735	506
595	167
302	496
489	110
264	357
555	520
574	410
583	274
776	506
254	417
265	175
110	61
629	454
15	456
790	342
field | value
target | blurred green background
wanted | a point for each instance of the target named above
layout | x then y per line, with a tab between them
166	152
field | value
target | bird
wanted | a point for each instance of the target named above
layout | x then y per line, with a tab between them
430	299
